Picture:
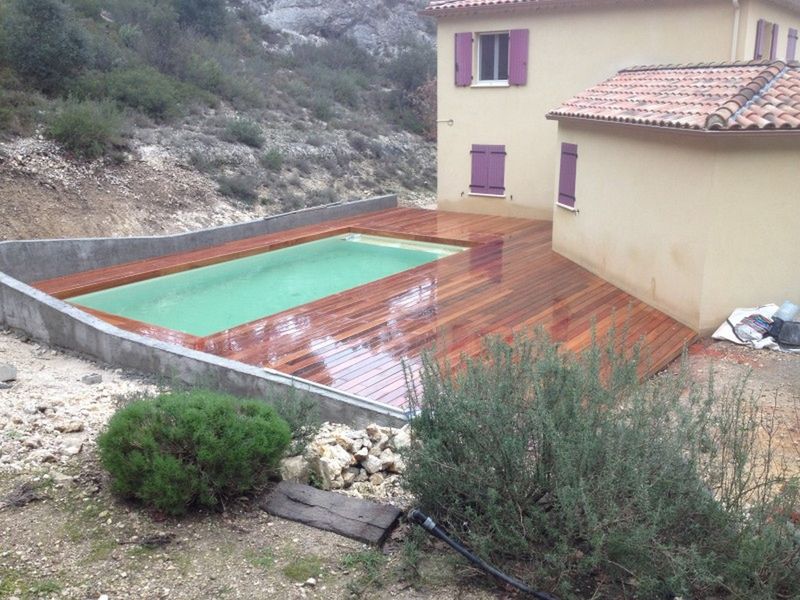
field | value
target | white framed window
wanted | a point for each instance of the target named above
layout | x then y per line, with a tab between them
493	57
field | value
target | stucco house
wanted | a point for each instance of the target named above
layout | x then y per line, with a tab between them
503	64
680	185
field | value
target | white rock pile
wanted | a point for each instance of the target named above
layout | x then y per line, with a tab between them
360	462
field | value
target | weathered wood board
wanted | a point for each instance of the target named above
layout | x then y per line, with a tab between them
360	520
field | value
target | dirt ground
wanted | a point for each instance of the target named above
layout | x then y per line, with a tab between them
771	377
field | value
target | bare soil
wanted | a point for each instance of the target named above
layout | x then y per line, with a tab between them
773	378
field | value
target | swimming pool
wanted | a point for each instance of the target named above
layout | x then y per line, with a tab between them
213	298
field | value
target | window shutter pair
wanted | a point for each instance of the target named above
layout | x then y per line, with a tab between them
791	45
488	169
567	175
517	58
761	27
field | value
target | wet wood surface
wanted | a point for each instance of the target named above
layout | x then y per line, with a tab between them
508	280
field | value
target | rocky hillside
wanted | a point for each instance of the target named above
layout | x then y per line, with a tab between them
382	26
152	117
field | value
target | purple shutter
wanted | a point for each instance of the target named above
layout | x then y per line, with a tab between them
759	51
773	49
479	182
463	59
497	170
518	56
566	178
791	45
488	169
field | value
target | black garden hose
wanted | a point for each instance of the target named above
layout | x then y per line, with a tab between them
424	521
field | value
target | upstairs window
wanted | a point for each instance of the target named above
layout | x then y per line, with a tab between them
501	57
493	57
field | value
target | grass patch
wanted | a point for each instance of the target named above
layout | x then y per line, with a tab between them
369	564
263	558
16	583
300	568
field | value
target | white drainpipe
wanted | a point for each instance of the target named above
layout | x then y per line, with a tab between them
737	9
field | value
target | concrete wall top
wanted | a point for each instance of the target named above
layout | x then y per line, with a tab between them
34	260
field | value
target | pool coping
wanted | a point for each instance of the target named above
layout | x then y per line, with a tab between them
55	322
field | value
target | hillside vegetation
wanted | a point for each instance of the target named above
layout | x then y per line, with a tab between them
274	121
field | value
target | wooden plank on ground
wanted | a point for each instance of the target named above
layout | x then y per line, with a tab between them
360	520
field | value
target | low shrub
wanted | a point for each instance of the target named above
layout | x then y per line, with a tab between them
191	448
272	160
85	127
241	187
244	131
142	88
566	470
19	106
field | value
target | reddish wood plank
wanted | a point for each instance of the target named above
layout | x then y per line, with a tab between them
358	340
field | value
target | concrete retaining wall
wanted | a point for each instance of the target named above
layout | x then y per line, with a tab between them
34	260
59	324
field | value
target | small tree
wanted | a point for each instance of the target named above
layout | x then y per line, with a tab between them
44	43
206	16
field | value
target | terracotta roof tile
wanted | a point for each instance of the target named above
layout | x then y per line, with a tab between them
441	7
708	97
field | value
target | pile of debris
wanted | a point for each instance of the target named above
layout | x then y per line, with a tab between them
362	463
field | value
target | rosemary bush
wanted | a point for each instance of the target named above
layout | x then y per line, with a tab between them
566	469
191	448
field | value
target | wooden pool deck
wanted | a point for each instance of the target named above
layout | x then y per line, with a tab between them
509	280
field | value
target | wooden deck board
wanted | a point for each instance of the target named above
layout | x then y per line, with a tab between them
509	280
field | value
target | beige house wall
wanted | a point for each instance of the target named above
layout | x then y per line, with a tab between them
569	50
695	225
753	254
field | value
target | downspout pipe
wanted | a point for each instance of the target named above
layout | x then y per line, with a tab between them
737	13
424	521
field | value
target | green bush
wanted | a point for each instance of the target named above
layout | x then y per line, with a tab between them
85	127
245	132
272	160
412	67
569	472
191	448
141	88
207	16
18	105
240	187
43	42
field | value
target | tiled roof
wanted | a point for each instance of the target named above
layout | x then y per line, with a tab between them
725	97
442	7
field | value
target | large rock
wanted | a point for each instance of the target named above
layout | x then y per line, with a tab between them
401	439
7	372
295	468
372	464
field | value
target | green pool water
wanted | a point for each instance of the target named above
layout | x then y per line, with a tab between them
209	299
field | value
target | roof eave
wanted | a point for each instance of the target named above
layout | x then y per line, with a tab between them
675	129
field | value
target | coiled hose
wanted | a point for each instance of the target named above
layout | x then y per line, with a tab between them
424	521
